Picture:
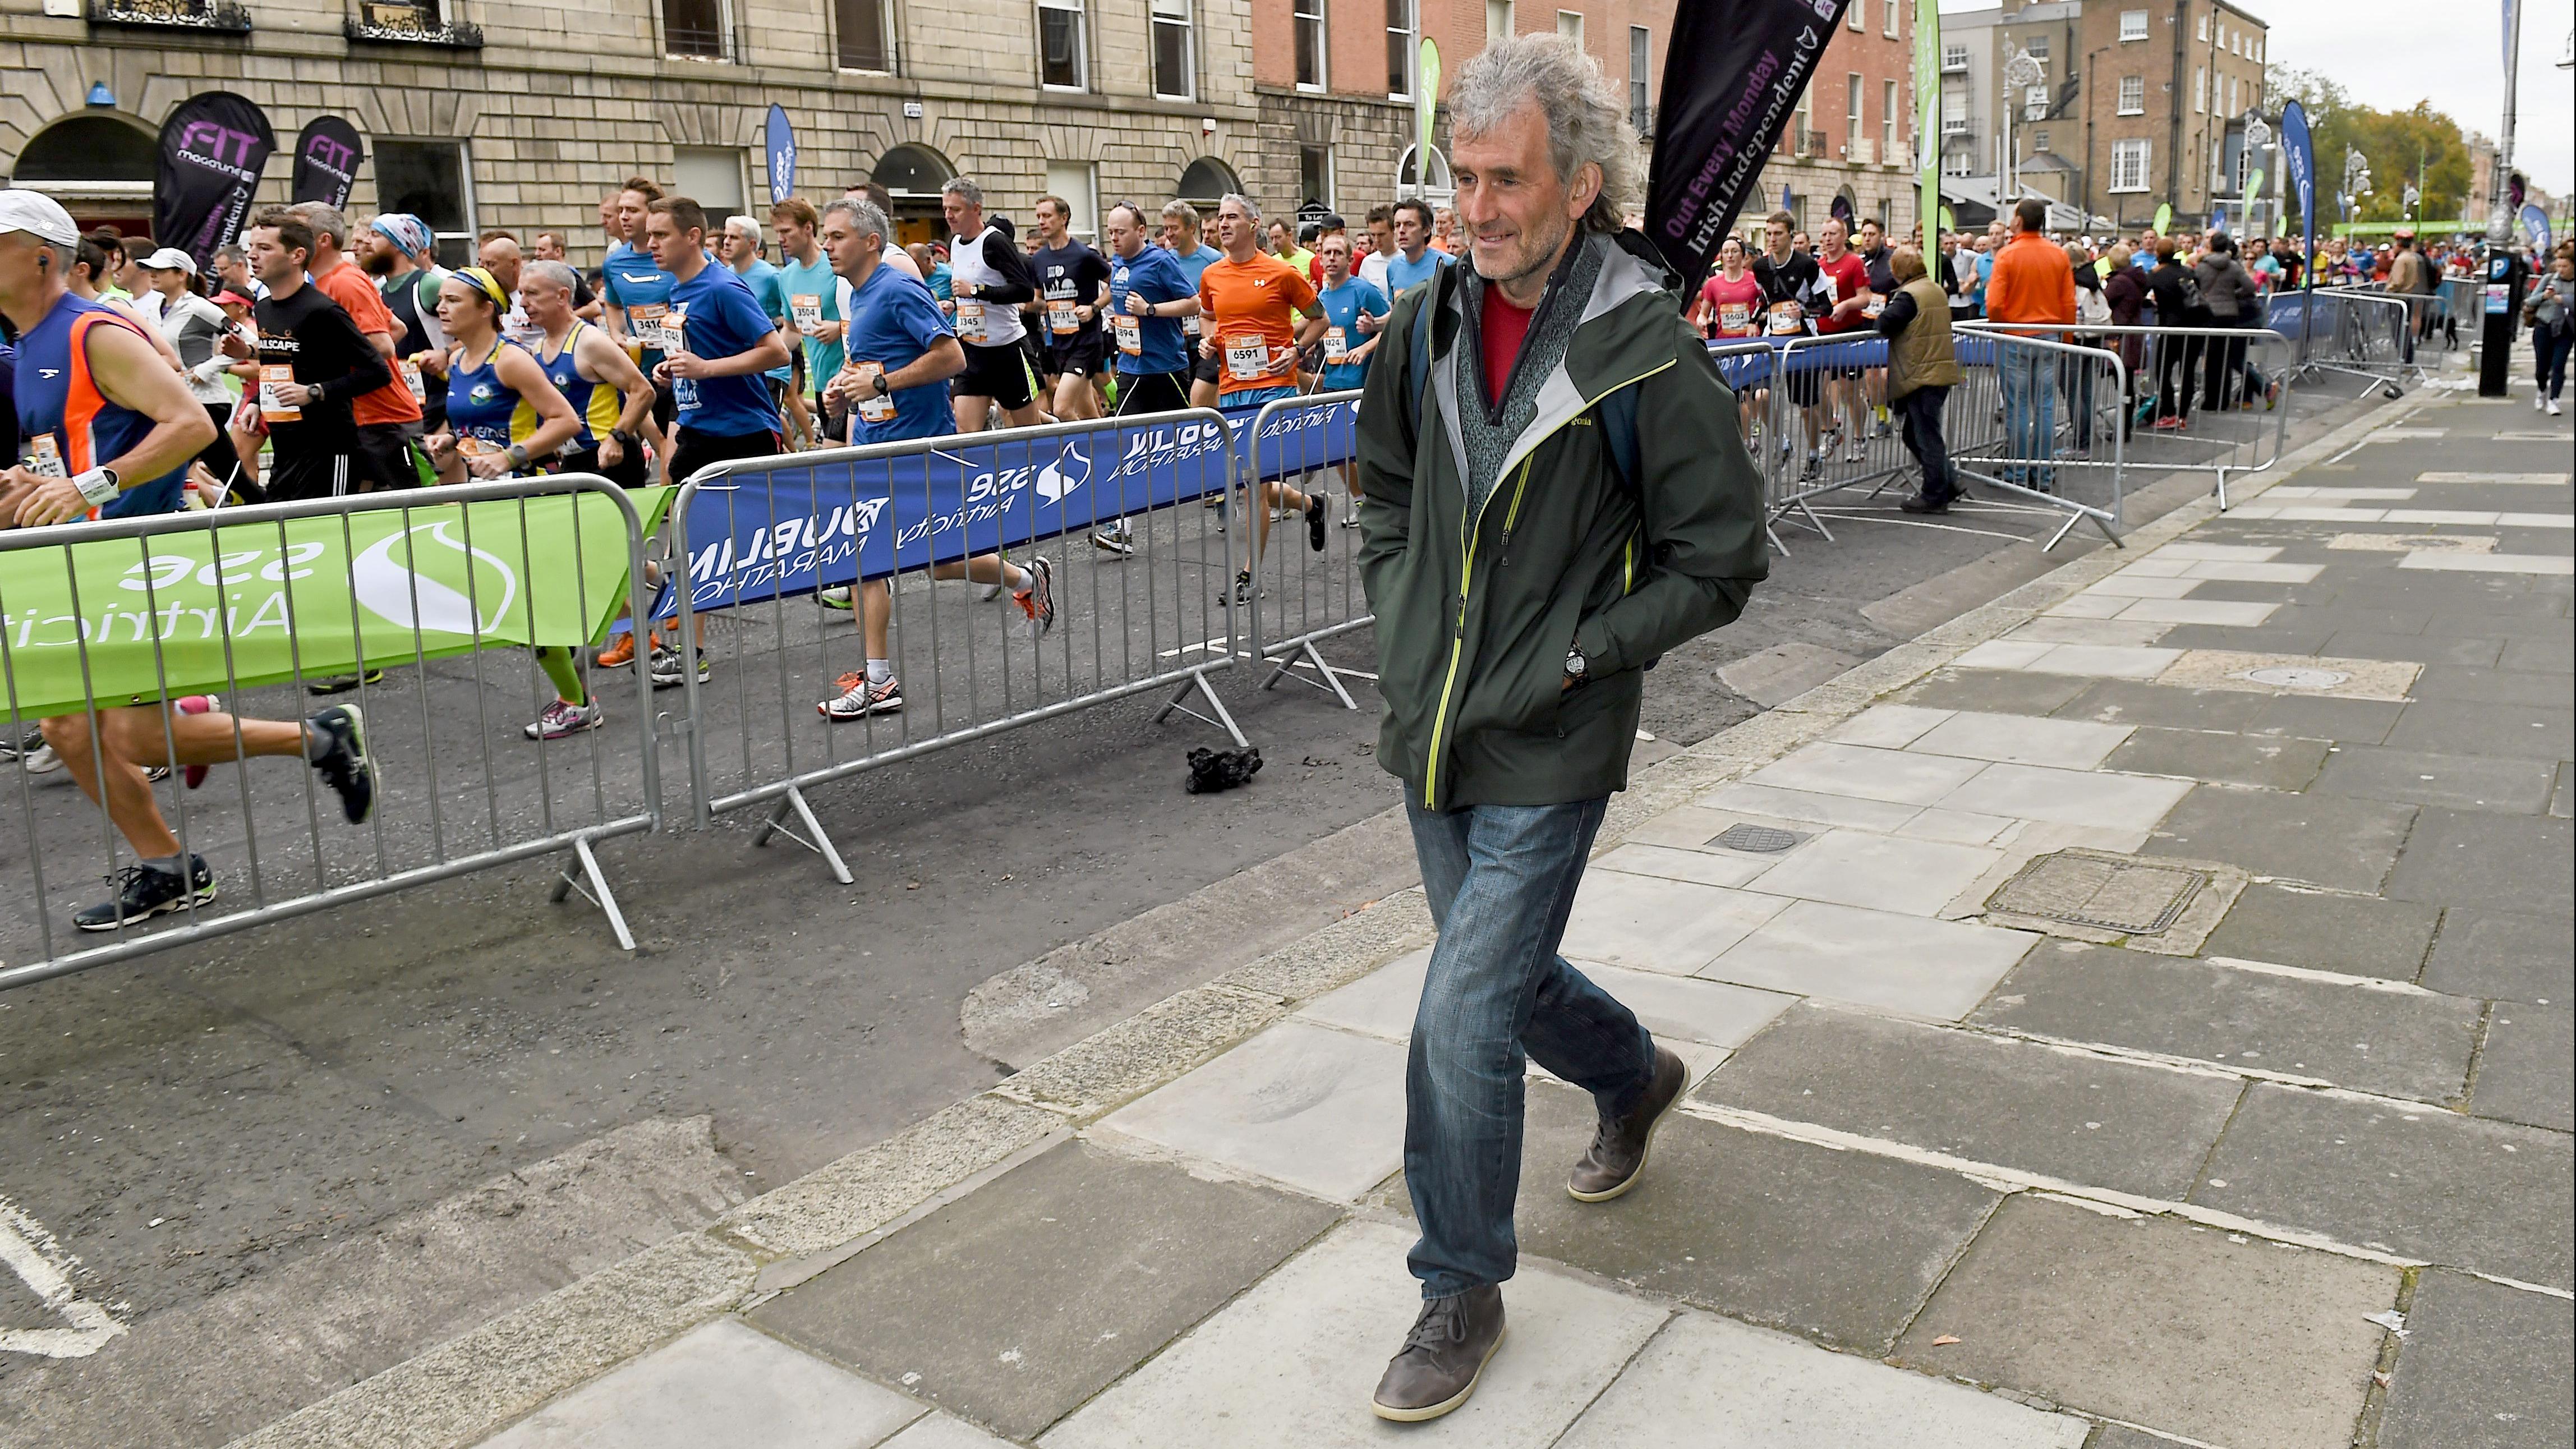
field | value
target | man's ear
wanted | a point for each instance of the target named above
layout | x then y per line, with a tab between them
1587	186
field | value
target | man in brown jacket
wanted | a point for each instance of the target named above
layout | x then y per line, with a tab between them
1922	367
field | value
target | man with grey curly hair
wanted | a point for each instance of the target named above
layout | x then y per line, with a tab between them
1555	493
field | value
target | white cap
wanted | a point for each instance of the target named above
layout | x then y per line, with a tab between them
39	216
171	259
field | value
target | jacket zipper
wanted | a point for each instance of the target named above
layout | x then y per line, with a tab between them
1466	582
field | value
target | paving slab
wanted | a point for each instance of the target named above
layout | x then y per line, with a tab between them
2358	721
2501	862
2067	797
2484	1366
1022	1299
725	1385
2491	1197
2353	935
1879	872
1712	1384
1291	1363
2459	782
1888	726
2448	682
2126	701
2084	1118
1382	1003
2231	1341
2333	841
2415	648
1811	806
1929	968
2505	954
2463	727
939	1431
2527	1070
1660	925
1893	776
1837	1246
2269	762
1317	1109
1690	863
1995	691
2065	743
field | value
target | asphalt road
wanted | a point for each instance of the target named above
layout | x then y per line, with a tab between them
289	1157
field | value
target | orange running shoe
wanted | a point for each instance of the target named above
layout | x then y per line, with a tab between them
621	650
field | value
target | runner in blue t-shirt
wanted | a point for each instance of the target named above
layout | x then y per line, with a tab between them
1150	295
742	248
635	293
1415	261
1181	239
1353	307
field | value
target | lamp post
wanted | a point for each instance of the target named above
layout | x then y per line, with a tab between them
2258	138
2085	83
2020	74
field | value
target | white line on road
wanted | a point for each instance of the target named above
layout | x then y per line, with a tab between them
41	1263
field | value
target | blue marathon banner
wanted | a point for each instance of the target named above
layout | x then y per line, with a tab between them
778	139
759	533
2299	153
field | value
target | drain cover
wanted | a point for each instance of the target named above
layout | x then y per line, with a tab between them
1757	837
2291	676
2107	893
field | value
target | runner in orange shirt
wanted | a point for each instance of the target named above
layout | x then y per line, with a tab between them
389	418
1247	298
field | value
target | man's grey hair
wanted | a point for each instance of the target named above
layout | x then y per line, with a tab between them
1587	123
1238	198
324	219
865	217
963	189
746	225
553	274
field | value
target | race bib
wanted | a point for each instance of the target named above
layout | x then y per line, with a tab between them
1785	317
412	379
1336	347
45	457
1876	305
863	377
1190	324
1062	320
1247	357
1833	290
272	376
1734	317
675	324
1131	335
652	324
806	311
970	320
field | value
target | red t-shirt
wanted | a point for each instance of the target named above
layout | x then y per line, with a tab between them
1734	308
1505	326
1845	276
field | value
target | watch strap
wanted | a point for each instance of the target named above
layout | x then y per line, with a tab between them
98	485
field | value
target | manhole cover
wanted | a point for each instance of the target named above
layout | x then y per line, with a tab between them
2106	893
2291	676
1757	837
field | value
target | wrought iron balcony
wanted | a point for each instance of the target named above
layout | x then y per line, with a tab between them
410	22
216	17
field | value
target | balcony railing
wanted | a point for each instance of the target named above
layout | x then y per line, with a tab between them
698	42
395	22
218	17
1806	142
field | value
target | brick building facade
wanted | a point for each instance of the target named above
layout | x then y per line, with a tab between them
1850	145
2164	113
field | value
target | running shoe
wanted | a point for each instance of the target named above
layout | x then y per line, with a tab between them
989	592
1856	453
859	699
195	775
1243	589
343	765
1351	517
1315	522
43	762
563	719
621	650
21	748
155	774
1115	539
667	672
1038	599
2168	424
143	892
834	598
343	683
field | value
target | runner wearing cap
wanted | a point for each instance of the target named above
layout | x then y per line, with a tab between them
399	251
195	329
106	426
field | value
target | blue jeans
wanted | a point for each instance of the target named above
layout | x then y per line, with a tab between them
1501	880
2030	415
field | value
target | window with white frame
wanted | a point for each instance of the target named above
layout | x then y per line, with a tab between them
1569	26
860	36
1641	64
1958	163
1172	72
1078	184
1311	54
1315	177
2218	165
2133	95
1954	56
1498	20
1060	45
2231	96
1859	15
1895	15
2038	141
2204	27
1887	121
2129	164
2037	45
2133	25
2200	89
1403	24
1851	115
710	176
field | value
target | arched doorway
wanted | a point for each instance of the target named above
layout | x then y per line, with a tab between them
1436	188
1205	183
912	175
98	165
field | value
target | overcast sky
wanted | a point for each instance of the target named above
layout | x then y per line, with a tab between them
2450	52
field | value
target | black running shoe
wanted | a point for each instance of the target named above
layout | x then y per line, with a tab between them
143	892
1315	522
343	683
344	764
14	749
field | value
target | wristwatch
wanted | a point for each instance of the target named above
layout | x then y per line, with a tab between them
98	485
517	454
625	439
1576	666
882	390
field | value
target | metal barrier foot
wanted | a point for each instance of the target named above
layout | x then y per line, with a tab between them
597	893
1198	681
1328	677
820	844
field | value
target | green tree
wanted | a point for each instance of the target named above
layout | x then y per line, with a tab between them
2399	145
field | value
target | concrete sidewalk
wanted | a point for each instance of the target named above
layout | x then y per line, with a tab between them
2151	1025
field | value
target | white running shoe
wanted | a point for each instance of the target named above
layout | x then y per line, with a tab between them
563	719
42	762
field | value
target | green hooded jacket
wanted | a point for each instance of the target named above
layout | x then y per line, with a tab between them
1475	614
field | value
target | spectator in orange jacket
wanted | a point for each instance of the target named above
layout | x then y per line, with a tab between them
2032	283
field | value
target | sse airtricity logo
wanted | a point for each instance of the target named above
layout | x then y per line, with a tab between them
1053	482
434	584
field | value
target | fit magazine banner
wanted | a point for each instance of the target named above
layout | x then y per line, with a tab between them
326	162
224	609
1732	77
776	532
213	148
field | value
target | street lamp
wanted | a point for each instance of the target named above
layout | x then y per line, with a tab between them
2258	138
2020	73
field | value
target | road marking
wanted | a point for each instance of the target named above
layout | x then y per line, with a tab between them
41	1263
2544	480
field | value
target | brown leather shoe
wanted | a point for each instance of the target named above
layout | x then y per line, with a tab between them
1619	1145
1442	1357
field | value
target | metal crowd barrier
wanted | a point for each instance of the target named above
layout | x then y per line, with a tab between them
2165	415
2358	332
754	541
1304	596
103	622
